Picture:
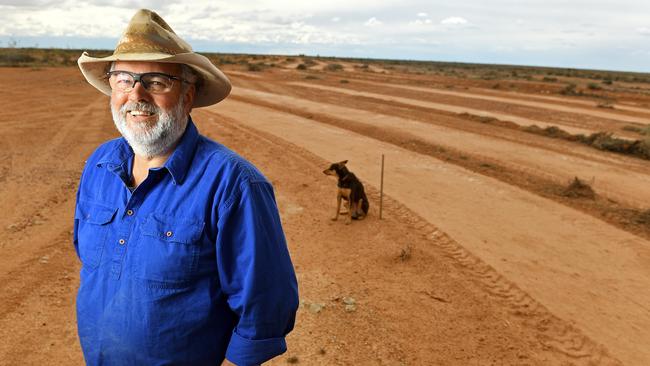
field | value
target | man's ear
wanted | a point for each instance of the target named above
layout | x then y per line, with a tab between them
189	98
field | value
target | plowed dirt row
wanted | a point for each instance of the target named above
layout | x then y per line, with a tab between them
563	258
550	106
449	120
522	121
562	101
622	96
612	180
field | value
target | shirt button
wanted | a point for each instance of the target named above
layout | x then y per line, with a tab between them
122	241
129	212
169	234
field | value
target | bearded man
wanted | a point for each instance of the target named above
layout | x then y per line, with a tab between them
184	261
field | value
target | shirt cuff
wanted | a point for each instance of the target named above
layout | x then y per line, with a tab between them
249	352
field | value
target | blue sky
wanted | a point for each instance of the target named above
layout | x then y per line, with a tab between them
596	34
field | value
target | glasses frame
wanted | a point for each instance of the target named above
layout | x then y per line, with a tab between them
138	78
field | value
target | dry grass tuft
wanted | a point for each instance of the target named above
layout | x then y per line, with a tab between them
644	217
579	189
334	67
405	254
550	131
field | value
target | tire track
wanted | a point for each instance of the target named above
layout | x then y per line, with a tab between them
555	332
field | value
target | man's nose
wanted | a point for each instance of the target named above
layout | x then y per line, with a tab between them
139	92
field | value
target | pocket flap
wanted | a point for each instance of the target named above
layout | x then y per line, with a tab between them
93	213
172	229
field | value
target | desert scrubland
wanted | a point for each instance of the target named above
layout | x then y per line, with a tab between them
516	209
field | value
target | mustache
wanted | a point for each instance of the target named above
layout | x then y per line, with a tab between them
139	106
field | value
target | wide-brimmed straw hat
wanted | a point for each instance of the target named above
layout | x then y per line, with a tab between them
149	38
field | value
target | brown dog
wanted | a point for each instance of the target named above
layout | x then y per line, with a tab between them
350	190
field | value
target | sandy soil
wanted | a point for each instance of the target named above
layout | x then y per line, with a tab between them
465	268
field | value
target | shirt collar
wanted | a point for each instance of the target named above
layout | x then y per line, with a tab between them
118	160
179	162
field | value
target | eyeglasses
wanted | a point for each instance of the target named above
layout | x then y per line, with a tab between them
153	82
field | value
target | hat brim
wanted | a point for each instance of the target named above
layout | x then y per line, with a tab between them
214	87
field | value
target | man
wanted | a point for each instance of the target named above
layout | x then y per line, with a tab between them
184	261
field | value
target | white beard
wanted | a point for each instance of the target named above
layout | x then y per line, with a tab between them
150	141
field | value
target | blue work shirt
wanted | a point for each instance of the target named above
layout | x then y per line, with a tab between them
188	268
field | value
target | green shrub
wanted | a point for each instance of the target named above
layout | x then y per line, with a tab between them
16	58
632	129
605	141
570	89
255	67
550	131
594	86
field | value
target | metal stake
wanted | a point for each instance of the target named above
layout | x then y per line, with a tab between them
381	187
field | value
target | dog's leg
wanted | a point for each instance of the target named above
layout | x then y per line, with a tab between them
353	208
359	211
338	207
346	205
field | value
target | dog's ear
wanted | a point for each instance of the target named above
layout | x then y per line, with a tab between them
342	163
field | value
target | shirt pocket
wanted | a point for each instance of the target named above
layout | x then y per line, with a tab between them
168	251
94	220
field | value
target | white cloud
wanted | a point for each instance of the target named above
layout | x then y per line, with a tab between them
454	21
426	41
537	31
372	22
643	31
420	22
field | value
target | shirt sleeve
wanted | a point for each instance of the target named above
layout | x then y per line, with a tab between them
75	228
256	275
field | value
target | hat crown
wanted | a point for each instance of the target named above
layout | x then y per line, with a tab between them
147	32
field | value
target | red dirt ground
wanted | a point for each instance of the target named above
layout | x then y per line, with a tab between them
478	260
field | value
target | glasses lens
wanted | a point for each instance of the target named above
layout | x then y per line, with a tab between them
157	83
121	81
